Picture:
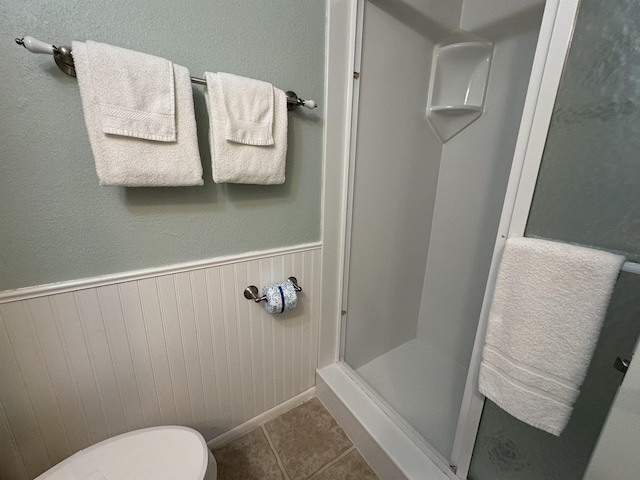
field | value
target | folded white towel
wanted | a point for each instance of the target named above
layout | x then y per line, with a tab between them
248	108
134	92
135	162
547	311
235	162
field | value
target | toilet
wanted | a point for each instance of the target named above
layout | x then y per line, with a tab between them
156	453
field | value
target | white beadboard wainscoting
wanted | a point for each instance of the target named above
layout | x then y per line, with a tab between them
87	360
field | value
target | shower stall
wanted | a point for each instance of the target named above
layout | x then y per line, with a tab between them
437	123
439	92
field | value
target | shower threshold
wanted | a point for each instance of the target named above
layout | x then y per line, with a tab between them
423	386
390	448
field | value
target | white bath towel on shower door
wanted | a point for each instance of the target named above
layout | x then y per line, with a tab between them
547	311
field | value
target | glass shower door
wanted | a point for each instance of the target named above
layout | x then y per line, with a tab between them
616	454
586	194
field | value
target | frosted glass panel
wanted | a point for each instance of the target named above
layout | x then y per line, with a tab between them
587	190
508	449
587	193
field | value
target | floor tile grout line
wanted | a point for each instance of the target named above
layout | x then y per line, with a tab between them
332	462
275	452
315	474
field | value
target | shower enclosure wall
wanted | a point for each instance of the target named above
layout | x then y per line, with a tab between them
422	230
424	214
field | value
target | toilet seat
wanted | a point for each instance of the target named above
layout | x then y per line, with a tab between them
156	453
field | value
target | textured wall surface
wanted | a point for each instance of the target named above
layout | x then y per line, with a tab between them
175	349
58	224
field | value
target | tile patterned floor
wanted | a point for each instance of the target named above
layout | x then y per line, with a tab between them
303	443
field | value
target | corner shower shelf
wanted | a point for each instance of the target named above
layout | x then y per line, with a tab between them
458	85
455	109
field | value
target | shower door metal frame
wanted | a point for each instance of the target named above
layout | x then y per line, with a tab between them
355	102
551	51
554	40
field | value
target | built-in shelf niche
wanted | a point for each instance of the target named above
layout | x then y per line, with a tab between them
458	85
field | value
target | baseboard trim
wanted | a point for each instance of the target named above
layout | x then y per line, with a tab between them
99	281
255	422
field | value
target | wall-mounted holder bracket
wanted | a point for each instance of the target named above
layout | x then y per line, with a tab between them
61	55
293	101
251	292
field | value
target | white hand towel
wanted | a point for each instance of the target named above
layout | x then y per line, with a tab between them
135	162
248	108
235	162
547	311
134	92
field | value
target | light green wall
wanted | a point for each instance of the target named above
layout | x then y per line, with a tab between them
57	223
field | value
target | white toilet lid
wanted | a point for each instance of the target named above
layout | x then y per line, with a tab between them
156	453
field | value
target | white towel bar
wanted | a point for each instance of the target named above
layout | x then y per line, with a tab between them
631	267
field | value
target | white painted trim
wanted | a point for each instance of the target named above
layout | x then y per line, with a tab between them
553	45
93	282
255	422
385	446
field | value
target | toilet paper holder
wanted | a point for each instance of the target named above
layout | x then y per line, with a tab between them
251	292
